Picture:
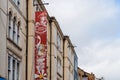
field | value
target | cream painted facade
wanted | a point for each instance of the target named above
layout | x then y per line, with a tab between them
54	44
13	39
14	22
56	51
68	59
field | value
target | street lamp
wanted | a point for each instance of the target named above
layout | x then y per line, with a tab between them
84	77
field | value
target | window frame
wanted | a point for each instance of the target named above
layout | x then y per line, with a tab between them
17	3
14	71
59	64
9	23
18	31
14	28
58	41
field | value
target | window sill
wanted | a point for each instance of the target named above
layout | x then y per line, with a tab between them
16	45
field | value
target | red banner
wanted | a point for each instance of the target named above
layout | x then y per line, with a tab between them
41	45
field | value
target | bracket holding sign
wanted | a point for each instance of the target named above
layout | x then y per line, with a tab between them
36	3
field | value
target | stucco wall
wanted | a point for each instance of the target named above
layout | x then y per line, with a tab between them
3	21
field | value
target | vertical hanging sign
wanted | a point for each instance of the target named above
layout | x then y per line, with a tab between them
41	45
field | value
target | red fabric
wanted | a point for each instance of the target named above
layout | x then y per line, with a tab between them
40	44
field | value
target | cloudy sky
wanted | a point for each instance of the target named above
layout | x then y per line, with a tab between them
94	27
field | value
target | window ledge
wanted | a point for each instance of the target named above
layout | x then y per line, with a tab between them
16	45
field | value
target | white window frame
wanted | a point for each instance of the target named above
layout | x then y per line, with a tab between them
18	32
14	29
69	52
58	41
10	26
58	65
13	74
17	2
55	35
9	23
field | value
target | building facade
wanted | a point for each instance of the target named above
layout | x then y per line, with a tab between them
68	59
17	44
82	75
75	67
56	53
13	39
54	61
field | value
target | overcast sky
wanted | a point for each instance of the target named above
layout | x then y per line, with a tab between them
94	27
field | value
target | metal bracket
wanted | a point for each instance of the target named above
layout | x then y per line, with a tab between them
36	4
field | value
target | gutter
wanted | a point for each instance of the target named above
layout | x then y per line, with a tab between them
26	39
63	56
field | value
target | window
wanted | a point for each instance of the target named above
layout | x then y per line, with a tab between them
58	41
69	52
18	28
13	29
55	36
37	8
58	64
9	25
17	70
13	68
14	26
9	67
17	2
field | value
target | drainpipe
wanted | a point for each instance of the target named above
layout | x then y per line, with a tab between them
63	56
26	39
50	21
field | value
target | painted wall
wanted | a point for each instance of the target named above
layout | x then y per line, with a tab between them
8	46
